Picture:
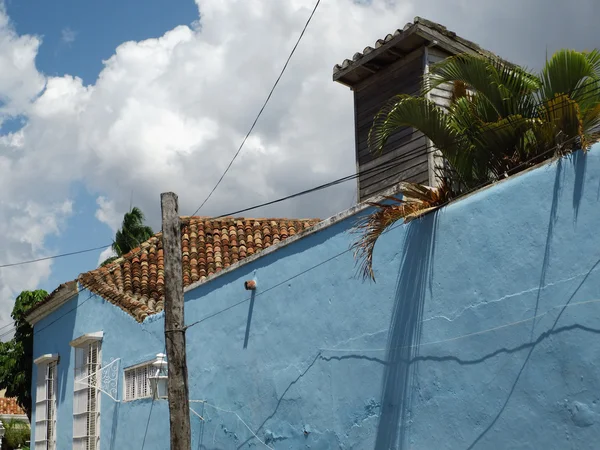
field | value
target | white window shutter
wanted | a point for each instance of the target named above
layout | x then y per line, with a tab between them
40	408
80	400
45	405
129	384
51	405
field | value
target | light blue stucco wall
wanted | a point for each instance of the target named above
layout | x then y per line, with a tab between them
440	353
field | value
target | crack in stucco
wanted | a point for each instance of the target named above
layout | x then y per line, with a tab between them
455	315
360	336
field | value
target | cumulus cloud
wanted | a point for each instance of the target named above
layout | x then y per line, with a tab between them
167	114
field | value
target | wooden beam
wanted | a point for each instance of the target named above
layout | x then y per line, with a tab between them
395	53
177	382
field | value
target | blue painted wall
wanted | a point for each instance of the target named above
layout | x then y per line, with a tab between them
441	353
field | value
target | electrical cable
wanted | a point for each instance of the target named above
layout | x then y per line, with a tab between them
378	169
524	163
261	109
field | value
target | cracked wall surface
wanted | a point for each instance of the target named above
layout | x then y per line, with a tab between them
480	333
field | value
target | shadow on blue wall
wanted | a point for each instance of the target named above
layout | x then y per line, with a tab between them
67	325
405	332
579	161
114	425
147	425
549	234
532	345
249	321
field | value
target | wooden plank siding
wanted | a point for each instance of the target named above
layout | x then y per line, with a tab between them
442	96
406	151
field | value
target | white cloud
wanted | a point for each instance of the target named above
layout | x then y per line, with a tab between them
167	114
105	254
20	81
67	35
106	213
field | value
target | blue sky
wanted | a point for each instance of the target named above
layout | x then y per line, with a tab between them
96	27
76	37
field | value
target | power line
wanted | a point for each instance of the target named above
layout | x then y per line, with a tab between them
54	256
378	169
261	109
382	167
524	163
374	170
65	314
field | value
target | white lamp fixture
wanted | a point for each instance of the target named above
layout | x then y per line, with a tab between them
158	379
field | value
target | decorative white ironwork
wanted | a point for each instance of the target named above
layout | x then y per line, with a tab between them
105	379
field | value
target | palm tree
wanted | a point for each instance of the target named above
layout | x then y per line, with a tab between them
501	119
132	233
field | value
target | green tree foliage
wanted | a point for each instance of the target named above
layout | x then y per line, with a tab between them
16	434
132	233
16	355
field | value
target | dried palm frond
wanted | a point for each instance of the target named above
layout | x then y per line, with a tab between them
416	201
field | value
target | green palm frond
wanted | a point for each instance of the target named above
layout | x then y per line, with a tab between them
416	201
566	72
474	71
407	111
591	123
132	233
500	119
499	144
561	122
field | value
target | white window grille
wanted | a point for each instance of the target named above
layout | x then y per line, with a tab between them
86	399
45	403
146	379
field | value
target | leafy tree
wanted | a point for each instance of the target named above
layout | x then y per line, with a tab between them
16	355
132	233
501	120
16	434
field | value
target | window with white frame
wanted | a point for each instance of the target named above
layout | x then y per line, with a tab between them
45	403
137	382
86	397
145	380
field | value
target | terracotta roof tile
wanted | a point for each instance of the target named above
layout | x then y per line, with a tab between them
135	282
10	406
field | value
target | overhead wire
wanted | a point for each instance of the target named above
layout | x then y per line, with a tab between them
6	333
583	85
468	192
261	109
394	162
45	258
278	284
374	171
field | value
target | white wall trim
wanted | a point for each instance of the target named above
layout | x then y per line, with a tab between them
87	338
46	358
7	417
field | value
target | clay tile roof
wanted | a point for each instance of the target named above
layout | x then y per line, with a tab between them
10	406
136	281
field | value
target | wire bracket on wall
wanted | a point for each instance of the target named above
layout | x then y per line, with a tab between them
105	379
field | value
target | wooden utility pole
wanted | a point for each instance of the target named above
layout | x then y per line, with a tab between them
177	383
